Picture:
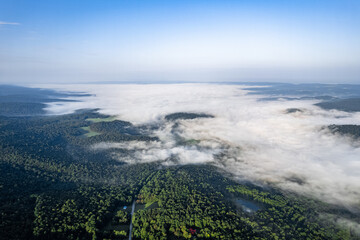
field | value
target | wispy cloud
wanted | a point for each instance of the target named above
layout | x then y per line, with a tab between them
9	23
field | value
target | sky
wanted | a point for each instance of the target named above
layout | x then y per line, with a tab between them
76	41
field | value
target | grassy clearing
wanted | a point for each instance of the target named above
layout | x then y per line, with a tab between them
151	205
96	120
90	133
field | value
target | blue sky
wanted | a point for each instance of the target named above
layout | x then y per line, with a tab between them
249	40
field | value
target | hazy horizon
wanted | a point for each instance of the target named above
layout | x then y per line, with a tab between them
202	41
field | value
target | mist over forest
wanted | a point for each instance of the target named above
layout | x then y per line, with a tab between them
101	160
251	134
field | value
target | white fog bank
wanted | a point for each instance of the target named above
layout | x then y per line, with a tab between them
259	140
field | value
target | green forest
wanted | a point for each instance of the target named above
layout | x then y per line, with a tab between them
53	186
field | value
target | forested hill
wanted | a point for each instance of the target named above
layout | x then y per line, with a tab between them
347	105
347	130
186	116
23	101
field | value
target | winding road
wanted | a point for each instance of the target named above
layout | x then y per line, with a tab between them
132	214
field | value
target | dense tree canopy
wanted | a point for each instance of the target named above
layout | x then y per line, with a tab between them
53	186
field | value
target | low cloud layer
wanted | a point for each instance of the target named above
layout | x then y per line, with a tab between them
254	140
